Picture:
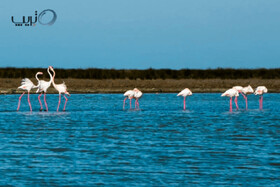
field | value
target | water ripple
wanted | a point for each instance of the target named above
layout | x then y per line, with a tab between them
96	142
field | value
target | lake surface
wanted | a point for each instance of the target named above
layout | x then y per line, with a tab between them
96	142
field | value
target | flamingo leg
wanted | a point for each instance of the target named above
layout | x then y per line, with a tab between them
29	103
230	104
19	100
138	104
58	102
124	102
262	102
66	99
45	100
39	96
236	102
184	103
135	103
245	97
130	102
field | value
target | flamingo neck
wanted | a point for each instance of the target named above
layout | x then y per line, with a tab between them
36	76
51	78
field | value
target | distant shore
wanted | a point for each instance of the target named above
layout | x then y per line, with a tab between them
9	86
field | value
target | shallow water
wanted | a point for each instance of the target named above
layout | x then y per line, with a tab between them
96	142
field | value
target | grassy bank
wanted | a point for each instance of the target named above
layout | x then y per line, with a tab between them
9	86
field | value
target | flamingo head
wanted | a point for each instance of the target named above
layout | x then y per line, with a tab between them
135	89
39	73
51	67
67	93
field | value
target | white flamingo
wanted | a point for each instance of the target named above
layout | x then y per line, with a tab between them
27	85
245	92
239	89
43	87
137	95
260	90
186	92
61	88
231	93
129	94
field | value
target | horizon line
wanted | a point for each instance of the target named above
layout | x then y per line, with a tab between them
218	68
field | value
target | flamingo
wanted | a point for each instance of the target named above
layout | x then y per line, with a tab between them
231	93
246	91
239	89
129	94
260	90
43	87
137	95
27	85
186	92
61	88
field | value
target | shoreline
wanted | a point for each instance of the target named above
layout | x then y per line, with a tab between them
94	86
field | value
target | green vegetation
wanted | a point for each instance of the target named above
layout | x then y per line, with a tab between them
147	74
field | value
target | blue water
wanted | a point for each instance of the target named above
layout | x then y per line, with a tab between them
95	142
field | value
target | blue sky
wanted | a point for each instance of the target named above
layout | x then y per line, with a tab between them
142	34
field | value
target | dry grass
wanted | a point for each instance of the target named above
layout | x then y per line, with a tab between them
168	85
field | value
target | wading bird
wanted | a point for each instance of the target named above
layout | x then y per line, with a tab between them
230	93
129	94
186	92
61	88
137	95
27	85
42	88
245	92
239	89
260	90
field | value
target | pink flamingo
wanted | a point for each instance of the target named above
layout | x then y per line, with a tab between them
129	94
61	88
231	93
137	95
260	90
186	92
246	91
43	87
27	85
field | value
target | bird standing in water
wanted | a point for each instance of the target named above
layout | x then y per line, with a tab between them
27	85
186	92
231	93
129	94
245	92
137	95
61	88
42	88
260	90
239	89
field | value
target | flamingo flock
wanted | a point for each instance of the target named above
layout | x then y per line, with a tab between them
244	91
132	94
233	92
42	87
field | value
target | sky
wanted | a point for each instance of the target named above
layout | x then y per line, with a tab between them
130	34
